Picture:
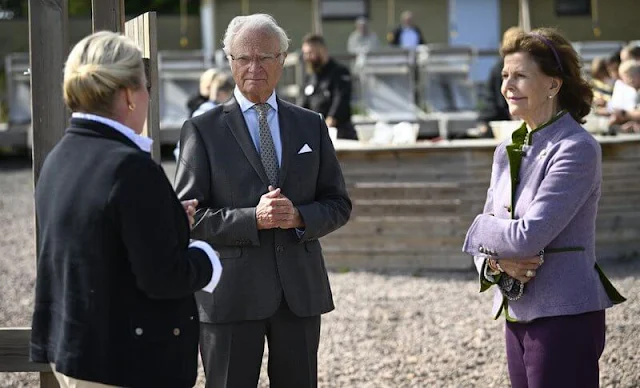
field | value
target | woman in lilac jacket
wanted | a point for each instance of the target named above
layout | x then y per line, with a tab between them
536	237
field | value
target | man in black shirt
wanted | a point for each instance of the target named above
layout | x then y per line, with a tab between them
328	87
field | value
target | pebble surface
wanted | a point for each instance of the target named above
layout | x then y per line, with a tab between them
389	329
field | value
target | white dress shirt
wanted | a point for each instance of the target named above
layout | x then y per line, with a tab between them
624	97
143	142
251	118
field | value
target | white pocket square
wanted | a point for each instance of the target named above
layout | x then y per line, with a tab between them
305	148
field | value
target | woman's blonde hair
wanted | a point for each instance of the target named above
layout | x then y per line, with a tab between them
98	67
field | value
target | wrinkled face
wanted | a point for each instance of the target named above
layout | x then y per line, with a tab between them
256	63
314	55
525	87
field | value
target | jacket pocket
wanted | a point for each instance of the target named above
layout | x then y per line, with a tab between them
227	252
312	246
563	249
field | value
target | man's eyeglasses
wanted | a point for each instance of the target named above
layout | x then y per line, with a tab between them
263	60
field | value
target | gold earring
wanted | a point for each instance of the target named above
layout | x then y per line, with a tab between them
132	107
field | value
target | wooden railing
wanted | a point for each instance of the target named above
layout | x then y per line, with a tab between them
14	355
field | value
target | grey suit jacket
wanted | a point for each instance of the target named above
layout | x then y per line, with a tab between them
546	200
220	166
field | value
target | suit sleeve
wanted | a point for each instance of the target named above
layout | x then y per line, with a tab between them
569	181
332	206
218	226
340	95
145	207
420	36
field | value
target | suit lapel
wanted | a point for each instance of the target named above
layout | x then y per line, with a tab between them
235	122
286	120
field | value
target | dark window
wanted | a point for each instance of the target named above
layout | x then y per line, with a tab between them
573	7
344	9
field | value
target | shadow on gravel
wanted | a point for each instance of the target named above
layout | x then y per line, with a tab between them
439	274
15	161
622	267
615	268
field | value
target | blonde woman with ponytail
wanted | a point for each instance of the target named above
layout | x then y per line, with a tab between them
114	302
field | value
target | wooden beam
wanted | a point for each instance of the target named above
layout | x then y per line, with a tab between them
143	30
107	15
14	351
48	48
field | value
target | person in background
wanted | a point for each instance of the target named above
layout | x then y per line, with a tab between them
269	186
362	40
116	271
629	52
407	35
494	107
601	84
220	90
328	86
629	120
535	239
624	95
613	62
195	101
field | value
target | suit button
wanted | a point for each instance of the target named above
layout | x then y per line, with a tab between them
279	249
176	332
139	331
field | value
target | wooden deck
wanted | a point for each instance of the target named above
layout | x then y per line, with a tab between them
413	204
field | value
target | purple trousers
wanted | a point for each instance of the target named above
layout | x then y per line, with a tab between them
556	351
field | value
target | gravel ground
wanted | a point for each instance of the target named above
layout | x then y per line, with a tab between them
390	329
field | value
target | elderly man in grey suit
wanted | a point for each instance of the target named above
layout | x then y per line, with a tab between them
269	186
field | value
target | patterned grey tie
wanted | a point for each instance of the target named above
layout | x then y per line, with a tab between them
267	149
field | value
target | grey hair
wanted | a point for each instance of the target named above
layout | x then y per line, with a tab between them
258	21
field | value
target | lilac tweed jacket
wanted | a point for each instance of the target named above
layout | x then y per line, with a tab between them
556	179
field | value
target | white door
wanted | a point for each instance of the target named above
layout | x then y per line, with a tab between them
476	23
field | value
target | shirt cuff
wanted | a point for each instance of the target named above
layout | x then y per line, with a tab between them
215	263
488	274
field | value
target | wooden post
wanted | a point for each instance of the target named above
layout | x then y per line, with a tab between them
391	13
316	12
48	48
107	15
208	29
142	30
524	15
